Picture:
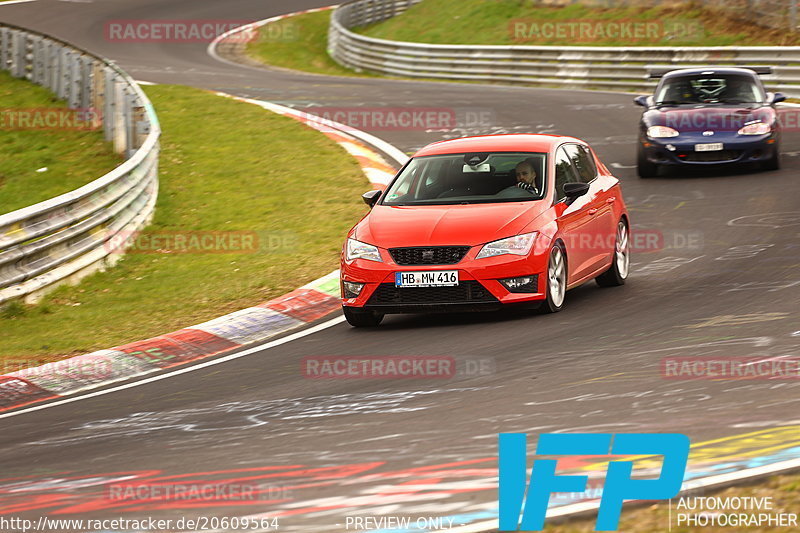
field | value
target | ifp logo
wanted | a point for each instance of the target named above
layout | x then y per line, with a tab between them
619	485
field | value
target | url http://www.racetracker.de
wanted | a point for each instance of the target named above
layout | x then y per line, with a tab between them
201	523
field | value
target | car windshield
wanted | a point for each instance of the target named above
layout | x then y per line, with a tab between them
469	179
709	88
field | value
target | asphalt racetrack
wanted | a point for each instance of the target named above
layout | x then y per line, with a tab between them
724	281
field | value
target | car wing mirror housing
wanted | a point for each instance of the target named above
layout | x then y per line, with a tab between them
371	197
641	100
774	98
575	190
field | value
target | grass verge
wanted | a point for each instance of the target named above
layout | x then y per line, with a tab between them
298	43
71	157
226	166
783	490
481	22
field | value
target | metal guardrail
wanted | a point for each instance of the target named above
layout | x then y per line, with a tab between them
72	235
572	67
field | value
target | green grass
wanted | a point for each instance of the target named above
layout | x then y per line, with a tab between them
72	157
298	43
225	166
481	22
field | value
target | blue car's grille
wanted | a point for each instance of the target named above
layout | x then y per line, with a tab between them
710	157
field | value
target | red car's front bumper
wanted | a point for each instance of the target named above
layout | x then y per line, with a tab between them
479	285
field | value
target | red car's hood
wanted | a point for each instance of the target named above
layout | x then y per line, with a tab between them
442	225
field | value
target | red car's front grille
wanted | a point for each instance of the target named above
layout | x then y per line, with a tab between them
467	291
430	255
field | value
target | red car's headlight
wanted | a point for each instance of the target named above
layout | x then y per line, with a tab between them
516	245
361	250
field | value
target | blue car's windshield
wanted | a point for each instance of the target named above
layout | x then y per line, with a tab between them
709	88
470	178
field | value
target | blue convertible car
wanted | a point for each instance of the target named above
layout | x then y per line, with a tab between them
708	116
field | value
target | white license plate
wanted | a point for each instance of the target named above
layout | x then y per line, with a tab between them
708	147
435	278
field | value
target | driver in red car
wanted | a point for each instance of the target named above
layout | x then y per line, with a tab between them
526	176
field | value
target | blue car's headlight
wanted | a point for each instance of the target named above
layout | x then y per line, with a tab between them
656	132
755	128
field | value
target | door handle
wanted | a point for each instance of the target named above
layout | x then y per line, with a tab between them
611	200
593	211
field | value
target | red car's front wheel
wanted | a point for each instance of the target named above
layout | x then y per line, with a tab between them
556	282
620	264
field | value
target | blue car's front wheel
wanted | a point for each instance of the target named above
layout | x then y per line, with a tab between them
644	168
774	162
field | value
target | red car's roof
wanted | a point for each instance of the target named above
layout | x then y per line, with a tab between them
514	142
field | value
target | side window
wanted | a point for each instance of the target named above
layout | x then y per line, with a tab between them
583	161
565	173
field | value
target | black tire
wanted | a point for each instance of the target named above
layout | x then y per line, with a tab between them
553	303
620	264
359	318
644	168
774	162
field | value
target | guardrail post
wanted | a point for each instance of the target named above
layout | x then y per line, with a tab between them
57	240
109	116
75	69
18	54
141	127
62	71
119	135
51	81
97	102
87	82
130	124
5	48
38	70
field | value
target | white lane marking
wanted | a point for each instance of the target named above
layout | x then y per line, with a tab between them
342	129
15	2
620	165
265	346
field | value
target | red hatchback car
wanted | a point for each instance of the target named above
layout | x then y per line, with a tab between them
482	222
